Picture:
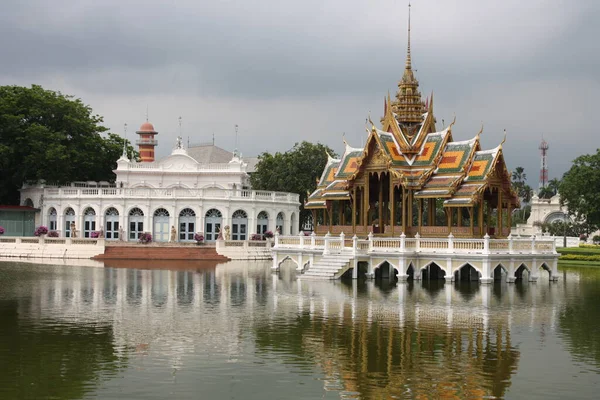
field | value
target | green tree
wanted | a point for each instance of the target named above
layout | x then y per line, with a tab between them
580	189
45	135
295	171
518	180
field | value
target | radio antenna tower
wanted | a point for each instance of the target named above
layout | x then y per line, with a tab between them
544	167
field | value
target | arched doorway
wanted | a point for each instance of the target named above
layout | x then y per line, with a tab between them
89	222
279	223
520	271
136	223
433	272
69	218
212	224
187	225
239	225
111	224
52	219
161	225
262	223
466	273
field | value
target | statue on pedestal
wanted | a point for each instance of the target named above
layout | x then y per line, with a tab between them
73	230
173	234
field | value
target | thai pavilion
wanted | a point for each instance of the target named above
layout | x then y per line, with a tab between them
410	178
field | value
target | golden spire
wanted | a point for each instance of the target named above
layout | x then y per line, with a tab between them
408	61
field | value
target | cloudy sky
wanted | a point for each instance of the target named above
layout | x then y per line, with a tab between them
287	71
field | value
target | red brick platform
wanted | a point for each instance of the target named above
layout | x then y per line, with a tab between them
160	252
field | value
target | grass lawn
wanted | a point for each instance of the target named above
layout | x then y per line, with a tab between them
576	263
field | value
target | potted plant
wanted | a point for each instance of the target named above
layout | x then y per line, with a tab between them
199	238
268	235
145	238
52	234
256	236
95	235
40	231
1	230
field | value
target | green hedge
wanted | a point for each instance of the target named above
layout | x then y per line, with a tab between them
580	257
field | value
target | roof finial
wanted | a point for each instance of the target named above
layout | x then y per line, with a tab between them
481	130
125	141
236	140
503	140
408	63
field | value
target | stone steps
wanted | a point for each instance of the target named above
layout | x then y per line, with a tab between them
328	267
141	252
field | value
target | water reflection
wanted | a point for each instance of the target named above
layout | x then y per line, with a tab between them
352	338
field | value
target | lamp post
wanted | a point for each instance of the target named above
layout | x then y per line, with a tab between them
565	230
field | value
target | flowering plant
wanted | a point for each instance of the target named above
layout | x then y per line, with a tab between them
199	238
268	234
145	238
1	230
256	236
95	235
52	234
40	230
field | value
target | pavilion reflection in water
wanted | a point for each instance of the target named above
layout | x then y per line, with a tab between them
365	336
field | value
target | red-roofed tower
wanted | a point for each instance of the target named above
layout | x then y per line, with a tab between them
146	143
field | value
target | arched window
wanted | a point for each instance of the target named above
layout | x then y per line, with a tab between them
69	221
89	222
136	223
212	224
52	219
161	225
239	225
262	222
279	223
111	231
187	224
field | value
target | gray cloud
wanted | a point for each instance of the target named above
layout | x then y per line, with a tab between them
291	71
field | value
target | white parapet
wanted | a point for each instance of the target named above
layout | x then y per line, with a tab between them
55	248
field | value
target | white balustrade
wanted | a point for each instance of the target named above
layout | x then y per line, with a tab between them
450	245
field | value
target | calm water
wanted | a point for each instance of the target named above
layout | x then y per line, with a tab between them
236	331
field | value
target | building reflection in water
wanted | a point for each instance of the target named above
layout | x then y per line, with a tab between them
431	338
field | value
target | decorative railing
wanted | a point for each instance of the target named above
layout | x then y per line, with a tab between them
254	195
335	244
52	241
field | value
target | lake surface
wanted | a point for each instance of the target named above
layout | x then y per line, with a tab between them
237	331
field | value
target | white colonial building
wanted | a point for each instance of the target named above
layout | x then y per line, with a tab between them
199	190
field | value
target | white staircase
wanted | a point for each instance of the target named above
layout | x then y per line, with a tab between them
329	267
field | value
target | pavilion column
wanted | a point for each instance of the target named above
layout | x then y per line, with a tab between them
431	212
392	205
330	215
471	218
420	219
354	209
314	218
403	210
509	215
480	222
449	218
499	212
459	218
380	208
366	202
410	208
341	205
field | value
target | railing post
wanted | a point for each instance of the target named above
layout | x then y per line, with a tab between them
343	241
370	237
510	244
402	242
533	244
312	240
326	243
276	239
450	243
486	244
354	245
417	242
301	235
